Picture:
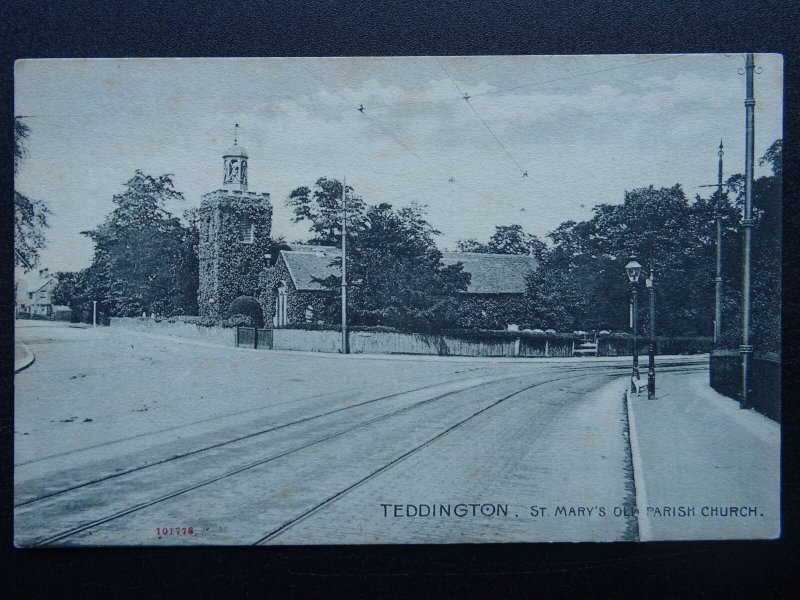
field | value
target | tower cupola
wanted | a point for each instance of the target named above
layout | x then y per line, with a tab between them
235	166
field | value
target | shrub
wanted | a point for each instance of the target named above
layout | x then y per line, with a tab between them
249	307
237	321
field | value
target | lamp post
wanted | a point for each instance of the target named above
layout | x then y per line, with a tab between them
345	348
718	218
634	270
651	353
718	280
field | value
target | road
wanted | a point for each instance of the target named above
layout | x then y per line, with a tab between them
125	438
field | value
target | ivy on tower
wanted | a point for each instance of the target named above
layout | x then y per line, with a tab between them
235	226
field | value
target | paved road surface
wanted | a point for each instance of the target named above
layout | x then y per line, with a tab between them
121	435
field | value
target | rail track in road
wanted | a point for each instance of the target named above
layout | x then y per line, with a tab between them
96	486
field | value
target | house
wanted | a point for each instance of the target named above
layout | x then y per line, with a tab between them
34	295
293	292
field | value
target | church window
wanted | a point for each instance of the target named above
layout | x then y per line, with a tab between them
281	317
246	231
309	314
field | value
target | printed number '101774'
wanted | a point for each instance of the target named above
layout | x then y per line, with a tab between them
174	531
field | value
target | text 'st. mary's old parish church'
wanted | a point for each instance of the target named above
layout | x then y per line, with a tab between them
235	260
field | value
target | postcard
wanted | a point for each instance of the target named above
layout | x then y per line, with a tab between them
393	300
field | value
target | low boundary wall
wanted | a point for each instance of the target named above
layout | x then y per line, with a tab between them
218	336
764	389
448	343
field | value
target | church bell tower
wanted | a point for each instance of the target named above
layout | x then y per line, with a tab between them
235	166
235	226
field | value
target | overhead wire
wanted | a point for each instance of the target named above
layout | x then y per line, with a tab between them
417	101
400	142
485	124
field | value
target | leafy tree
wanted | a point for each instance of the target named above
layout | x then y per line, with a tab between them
659	227
145	259
507	239
471	245
581	282
322	207
30	215
766	259
78	289
396	273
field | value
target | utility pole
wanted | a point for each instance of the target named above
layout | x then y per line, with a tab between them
718	298
747	226
651	353
345	349
94	313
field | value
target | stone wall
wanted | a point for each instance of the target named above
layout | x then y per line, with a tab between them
218	336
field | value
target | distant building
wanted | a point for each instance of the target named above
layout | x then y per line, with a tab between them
34	296
293	293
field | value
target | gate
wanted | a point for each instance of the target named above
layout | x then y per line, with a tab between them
250	337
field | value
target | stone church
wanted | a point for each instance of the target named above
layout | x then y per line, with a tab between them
235	226
234	253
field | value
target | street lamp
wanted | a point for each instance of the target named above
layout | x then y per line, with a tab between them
634	270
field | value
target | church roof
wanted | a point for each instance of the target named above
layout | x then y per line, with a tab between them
494	273
309	263
236	150
490	273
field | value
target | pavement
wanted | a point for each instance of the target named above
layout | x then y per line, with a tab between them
23	357
703	468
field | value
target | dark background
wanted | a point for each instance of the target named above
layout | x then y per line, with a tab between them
114	28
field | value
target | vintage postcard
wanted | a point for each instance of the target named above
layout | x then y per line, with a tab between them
390	300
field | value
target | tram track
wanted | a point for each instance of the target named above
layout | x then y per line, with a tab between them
70	532
264	431
273	534
230	473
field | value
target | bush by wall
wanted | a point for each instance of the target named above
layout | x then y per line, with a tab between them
249	307
234	321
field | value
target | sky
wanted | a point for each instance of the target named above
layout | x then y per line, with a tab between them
584	128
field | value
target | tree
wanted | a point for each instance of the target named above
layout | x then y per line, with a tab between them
78	290
322	207
471	245
659	227
766	258
507	239
396	273
30	215
145	259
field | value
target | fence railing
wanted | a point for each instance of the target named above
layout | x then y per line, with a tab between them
764	379
454	343
251	337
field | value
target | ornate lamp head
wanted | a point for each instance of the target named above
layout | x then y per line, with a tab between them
633	269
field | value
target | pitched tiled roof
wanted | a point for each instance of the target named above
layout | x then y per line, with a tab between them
494	273
491	273
309	264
